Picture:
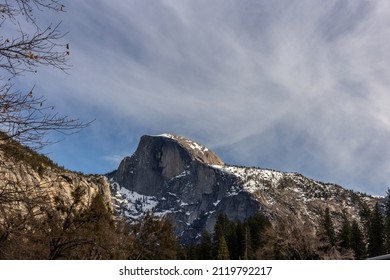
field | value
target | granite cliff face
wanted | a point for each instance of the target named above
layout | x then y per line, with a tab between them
159	159
29	180
175	176
187	182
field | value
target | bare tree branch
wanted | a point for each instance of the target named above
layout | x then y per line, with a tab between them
26	202
26	118
24	49
26	52
25	8
27	45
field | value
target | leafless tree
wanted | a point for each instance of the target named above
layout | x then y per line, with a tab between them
27	119
27	42
290	239
25	45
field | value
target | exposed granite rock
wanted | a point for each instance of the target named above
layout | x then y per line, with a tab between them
160	159
178	172
24	177
187	182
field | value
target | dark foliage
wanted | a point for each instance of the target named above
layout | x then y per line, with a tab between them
376	235
231	240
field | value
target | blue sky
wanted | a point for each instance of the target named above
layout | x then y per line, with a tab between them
299	86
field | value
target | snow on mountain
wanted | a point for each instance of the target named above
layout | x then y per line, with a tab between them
192	145
131	204
185	181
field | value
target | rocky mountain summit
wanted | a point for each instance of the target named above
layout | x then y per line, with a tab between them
187	182
48	212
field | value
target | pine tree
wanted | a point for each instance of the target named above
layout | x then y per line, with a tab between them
327	232
192	252
153	239
387	222
99	227
246	243
222	249
222	233
365	217
344	235
242	248
257	225
357	241
233	241
376	233
205	246
222	225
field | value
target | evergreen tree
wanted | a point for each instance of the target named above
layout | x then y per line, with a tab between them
387	222
98	227
239	241
233	241
344	235
221	225
192	252
205	246
153	239
222	249
327	232
357	241
376	233
246	243
223	228
257	225
365	216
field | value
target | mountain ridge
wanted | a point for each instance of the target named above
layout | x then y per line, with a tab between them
165	176
178	184
26	174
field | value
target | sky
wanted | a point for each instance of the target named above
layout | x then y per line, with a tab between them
299	86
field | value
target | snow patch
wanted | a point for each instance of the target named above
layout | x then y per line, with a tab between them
253	178
217	202
181	175
130	203
166	135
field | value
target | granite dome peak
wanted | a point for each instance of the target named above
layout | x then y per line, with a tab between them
180	179
196	150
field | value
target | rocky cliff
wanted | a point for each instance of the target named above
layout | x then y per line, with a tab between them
175	176
187	182
29	181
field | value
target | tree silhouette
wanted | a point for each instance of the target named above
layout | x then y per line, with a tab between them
344	235
205	247
357	241
327	232
25	45
222	249
387	222
376	233
29	43
153	239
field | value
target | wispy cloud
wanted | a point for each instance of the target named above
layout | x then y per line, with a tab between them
115	159
299	84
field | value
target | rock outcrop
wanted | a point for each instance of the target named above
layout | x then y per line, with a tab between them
188	183
159	159
177	174
31	180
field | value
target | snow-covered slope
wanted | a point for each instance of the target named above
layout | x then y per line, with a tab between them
181	179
